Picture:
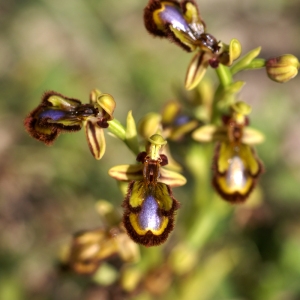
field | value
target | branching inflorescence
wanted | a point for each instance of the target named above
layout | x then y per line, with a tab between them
149	205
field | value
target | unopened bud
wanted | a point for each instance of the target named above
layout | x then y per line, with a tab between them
283	68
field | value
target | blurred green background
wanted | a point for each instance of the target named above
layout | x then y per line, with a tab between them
48	193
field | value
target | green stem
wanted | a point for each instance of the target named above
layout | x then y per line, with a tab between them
246	60
116	128
224	75
256	63
207	210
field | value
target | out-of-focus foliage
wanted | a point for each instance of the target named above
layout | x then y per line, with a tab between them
48	193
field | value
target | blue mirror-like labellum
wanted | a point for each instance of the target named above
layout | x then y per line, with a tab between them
148	216
181	120
173	16
236	177
53	114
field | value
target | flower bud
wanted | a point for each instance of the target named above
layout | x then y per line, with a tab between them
283	68
149	125
241	107
229	53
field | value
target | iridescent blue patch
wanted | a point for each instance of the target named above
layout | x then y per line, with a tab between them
53	114
236	177
173	16
181	120
148	217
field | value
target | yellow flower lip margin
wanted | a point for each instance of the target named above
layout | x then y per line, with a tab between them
149	211
235	181
180	22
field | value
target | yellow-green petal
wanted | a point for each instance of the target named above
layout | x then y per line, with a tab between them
108	104
127	172
196	69
209	133
245	61
171	178
60	102
252	136
95	137
131	134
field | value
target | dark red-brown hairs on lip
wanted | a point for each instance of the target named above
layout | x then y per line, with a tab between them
149	239
150	25
36	126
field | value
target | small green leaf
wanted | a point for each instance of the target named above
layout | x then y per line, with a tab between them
244	62
131	134
224	75
257	63
227	96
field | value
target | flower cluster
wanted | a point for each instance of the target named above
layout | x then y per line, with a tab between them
149	205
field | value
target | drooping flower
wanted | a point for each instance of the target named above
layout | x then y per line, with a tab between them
58	113
88	249
149	206
236	166
182	24
173	123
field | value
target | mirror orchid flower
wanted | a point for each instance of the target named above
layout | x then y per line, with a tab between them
57	113
236	167
149	206
182	24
